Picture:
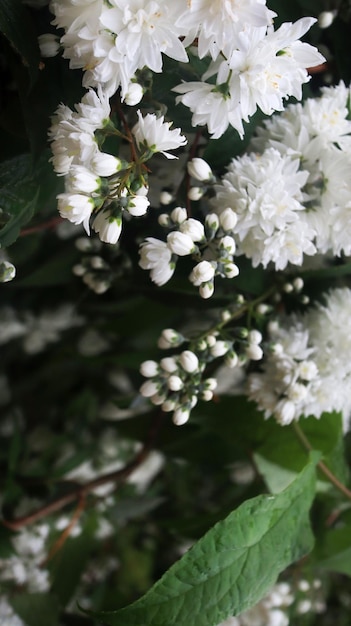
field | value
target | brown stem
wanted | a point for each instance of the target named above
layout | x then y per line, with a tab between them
81	491
66	533
118	107
51	223
322	466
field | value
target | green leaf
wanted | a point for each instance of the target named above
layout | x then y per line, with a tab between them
24	192
36	609
233	565
282	449
336	551
16	25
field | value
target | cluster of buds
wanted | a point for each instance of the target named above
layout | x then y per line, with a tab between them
211	245
177	382
95	271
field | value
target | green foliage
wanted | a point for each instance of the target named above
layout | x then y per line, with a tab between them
233	565
17	26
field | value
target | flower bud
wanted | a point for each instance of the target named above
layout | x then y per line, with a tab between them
148	389
298	283
179	215
181	416
254	336
180	244
220	348
137	205
254	352
193	228
206	290
158	399
227	243
326	18
189	361
105	164
166	198
195	193
149	369
285	412
228	219
231	270
212	222
169	364
7	271
170	338
168	405
134	94
199	169
211	383
164	220
175	383
206	395
232	359
49	45
202	273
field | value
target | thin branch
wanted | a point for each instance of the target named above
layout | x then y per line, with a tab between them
81	491
51	223
322	466
66	533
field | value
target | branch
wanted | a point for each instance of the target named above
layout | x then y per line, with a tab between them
322	466
80	492
51	223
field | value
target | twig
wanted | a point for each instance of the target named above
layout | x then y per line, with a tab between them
66	533
80	492
51	223
322	466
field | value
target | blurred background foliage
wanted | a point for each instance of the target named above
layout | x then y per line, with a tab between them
69	374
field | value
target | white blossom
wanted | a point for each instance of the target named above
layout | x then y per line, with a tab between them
108	227
155	255
155	134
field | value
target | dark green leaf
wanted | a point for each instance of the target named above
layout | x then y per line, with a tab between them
16	25
233	565
36	609
336	551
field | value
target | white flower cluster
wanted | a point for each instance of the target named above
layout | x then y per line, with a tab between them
176	382
24	568
211	245
97	183
253	64
37	331
261	67
7	615
307	371
292	196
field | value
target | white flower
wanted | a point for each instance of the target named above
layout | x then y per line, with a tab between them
108	227
155	134
82	180
220	348
254	352
104	164
155	255
271	224
218	22
77	208
180	243
199	169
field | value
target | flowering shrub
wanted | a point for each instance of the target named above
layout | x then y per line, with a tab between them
175	314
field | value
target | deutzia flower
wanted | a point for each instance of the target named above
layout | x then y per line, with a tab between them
154	134
266	193
309	372
156	256
108	226
77	208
